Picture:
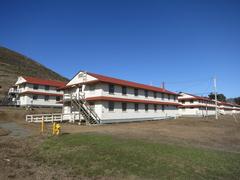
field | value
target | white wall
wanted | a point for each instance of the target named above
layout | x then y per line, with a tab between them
27	100
196	111
130	113
130	94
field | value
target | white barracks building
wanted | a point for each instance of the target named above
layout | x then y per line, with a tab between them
102	99
228	108
192	105
31	91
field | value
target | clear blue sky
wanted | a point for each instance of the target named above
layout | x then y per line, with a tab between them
184	43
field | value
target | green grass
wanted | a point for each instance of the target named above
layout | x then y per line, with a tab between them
95	155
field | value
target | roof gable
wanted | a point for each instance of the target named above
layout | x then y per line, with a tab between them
34	80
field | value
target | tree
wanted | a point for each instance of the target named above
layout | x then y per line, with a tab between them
237	100
220	97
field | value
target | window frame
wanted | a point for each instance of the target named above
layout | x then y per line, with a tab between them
136	106
136	92
47	87
162	96
146	107
124	90
35	86
111	88
35	97
46	98
124	106
146	93
58	97
155	94
91	87
163	108
111	106
155	107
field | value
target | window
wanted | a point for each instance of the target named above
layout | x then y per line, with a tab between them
155	107
46	87
58	98
35	86
124	90
136	92
124	106
35	97
111	89
136	107
174	97
169	96
58	90
146	107
183	101
155	94
46	98
162	96
163	107
146	93
111	106
91	87
191	101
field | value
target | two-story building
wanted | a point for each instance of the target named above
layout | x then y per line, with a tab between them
116	100
31	91
192	105
228	108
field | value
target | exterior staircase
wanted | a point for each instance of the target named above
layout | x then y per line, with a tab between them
85	109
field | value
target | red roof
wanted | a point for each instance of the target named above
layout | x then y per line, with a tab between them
106	98
34	80
41	93
106	79
226	103
195	97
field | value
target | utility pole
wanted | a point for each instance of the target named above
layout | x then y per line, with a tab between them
163	85
215	93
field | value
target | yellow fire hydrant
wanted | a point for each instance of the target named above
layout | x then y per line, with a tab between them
56	129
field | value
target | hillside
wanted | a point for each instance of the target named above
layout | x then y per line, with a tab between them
13	64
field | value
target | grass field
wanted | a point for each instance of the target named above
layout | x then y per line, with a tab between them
96	155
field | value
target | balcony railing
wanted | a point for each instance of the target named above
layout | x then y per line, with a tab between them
12	90
70	96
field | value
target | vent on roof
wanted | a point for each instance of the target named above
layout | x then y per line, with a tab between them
82	75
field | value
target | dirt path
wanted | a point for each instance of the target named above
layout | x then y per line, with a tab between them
15	130
18	141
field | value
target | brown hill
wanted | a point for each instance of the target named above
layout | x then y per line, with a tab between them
13	64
